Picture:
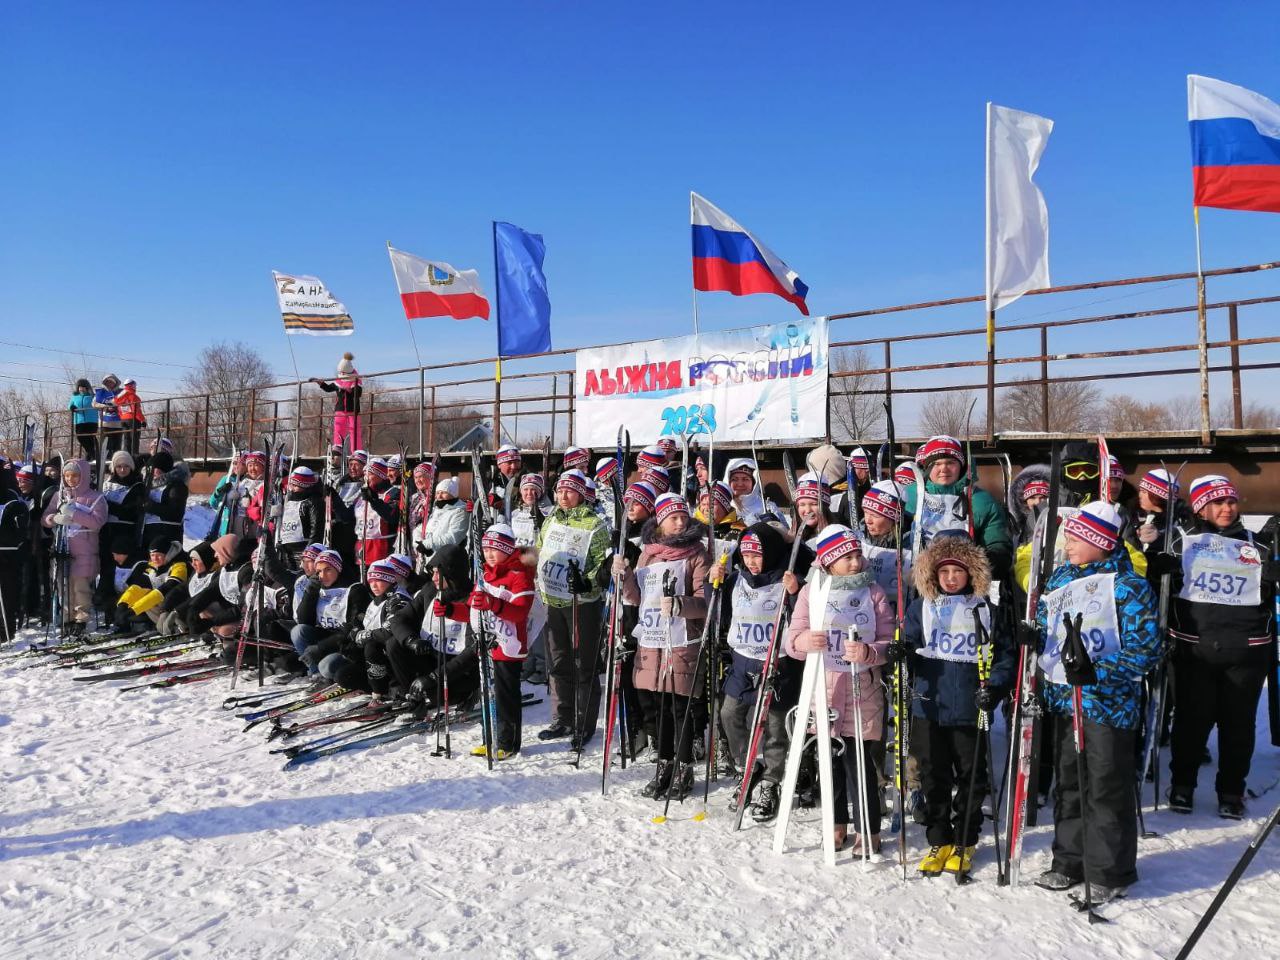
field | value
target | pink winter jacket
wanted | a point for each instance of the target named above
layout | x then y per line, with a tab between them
839	682
90	514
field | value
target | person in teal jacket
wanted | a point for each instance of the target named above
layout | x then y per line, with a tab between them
84	419
945	504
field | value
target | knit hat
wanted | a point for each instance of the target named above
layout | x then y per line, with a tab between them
656	477
1035	488
28	470
381	570
750	543
935	448
395	462
160	544
1097	523
576	458
1116	471
345	367
828	463
578	482
501	538
377	469
449	485
359	456
836	541
811	487
330	558
224	548
122	457
162	461
667	445
312	550
122	543
883	499
1211	487
130	382
668	504
302	478
642	493
905	476
1159	483
165	444
424	469
254	456
651	457
606	467
859	459
721	495
534	480
401	564
204	550
508	453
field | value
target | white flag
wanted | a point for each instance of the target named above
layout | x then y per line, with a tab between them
1017	218
309	308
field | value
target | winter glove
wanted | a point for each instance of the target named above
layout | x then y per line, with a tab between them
577	582
362	637
417	691
422	550
1271	570
479	600
1075	657
439	608
987	698
1028	635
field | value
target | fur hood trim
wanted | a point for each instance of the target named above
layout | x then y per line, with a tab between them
925	566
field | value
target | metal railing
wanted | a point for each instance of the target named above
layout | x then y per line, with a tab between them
534	399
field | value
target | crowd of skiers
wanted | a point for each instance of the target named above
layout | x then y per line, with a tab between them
376	575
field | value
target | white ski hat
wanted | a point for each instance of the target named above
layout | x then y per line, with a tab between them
448	485
345	366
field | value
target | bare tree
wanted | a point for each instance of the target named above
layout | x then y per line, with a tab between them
856	401
1255	416
230	374
1073	407
947	412
1125	414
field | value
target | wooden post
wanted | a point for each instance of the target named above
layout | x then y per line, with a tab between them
1044	375
1237	404
368	427
555	390
168	411
253	411
432	433
422	412
888	391
571	406
297	419
208	426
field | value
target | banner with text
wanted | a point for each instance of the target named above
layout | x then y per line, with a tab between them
767	382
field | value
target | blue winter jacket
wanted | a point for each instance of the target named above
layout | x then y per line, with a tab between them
1115	700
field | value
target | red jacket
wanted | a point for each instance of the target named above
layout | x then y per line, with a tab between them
129	406
510	585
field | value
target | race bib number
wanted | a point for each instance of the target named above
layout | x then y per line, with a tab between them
841	613
834	655
652	628
291	522
523	527
506	633
331	608
949	630
455	635
882	562
1095	599
939	512
1221	570
369	524
755	614
560	544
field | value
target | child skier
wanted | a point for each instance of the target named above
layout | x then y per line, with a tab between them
952	576
854	634
346	412
1118	611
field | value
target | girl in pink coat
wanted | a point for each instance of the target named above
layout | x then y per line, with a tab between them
856	629
82	513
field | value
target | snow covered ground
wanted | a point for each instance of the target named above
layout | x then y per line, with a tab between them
148	825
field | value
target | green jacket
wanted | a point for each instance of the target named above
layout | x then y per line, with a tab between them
990	525
582	517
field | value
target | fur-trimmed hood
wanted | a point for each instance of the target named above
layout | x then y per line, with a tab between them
692	535
1034	471
925	566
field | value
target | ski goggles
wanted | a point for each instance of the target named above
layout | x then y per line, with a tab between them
1080	470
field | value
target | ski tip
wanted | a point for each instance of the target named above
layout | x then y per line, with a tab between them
658	819
700	815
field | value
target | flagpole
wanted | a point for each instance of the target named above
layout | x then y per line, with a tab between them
991	310
695	282
1203	330
412	337
497	365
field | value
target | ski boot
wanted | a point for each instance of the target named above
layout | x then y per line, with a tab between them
1230	808
935	861
682	782
858	851
1181	799
656	789
1055	881
961	860
765	806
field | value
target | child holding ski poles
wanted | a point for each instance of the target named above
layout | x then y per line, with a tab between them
668	586
854	633
952	576
1095	821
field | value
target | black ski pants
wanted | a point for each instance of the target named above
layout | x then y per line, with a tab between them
844	777
947	760
1221	695
406	665
668	712
573	670
1106	805
507	697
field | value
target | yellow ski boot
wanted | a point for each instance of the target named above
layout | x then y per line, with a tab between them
935	860
961	860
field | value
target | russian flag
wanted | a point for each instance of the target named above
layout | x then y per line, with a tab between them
727	257
1235	146
434	289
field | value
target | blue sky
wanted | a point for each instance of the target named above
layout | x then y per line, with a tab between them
161	159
